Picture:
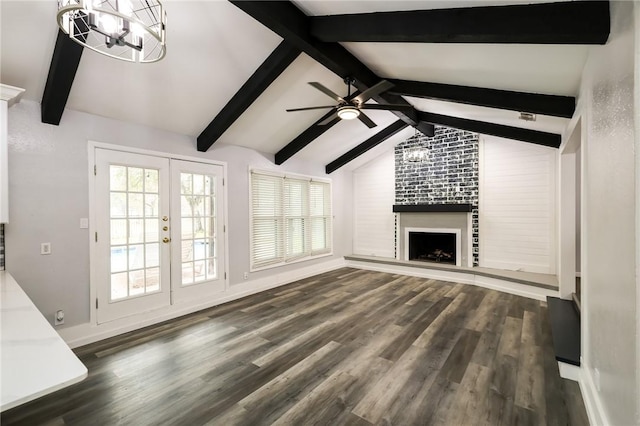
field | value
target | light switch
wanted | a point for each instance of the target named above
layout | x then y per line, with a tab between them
84	223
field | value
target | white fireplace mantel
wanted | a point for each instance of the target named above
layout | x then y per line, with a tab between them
455	222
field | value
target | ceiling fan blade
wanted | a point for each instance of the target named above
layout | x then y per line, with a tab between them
310	108
328	119
326	91
374	90
388	107
366	120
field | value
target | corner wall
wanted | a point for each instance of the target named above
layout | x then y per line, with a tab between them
609	283
49	187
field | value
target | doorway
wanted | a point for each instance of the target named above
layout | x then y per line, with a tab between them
158	234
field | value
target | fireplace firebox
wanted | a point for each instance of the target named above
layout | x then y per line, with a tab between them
433	247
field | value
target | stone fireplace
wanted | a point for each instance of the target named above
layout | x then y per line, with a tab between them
440	191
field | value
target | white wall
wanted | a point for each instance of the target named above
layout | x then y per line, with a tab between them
373	198
517	205
49	178
610	211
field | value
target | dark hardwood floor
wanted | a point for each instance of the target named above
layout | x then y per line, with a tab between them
348	347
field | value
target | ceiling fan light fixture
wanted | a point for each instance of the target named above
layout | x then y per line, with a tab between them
348	112
130	30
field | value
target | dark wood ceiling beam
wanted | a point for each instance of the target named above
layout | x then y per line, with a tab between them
62	71
365	146
517	133
267	72
290	23
557	106
574	22
305	138
312	133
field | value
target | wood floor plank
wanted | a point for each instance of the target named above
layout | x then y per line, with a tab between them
433	328
411	331
378	399
291	386
472	397
484	313
294	344
530	383
458	360
421	296
279	383
510	340
348	347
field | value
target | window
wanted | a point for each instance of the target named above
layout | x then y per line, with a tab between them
290	218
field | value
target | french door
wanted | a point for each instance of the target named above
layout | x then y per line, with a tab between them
159	232
197	250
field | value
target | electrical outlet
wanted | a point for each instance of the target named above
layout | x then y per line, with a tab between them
45	248
245	276
596	378
59	317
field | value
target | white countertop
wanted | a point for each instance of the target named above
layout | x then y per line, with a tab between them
35	360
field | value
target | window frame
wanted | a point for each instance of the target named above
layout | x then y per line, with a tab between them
312	254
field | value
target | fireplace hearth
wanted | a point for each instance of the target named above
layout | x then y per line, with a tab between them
437	247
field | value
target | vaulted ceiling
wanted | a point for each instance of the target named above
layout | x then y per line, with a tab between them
233	68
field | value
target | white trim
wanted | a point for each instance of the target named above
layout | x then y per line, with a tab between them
278	173
569	371
93	293
504	286
11	94
591	397
481	199
470	240
86	333
93	144
397	236
456	231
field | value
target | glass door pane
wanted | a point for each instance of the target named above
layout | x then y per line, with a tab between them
197	232
198	223
134	221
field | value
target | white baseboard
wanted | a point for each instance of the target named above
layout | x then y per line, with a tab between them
517	289
591	397
86	333
504	286
569	371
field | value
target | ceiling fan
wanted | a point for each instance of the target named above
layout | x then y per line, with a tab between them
351	107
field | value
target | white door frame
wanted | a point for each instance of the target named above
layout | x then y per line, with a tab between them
92	146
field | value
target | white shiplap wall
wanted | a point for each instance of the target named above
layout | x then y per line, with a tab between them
374	195
517	206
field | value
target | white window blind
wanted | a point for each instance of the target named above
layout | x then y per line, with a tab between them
290	219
